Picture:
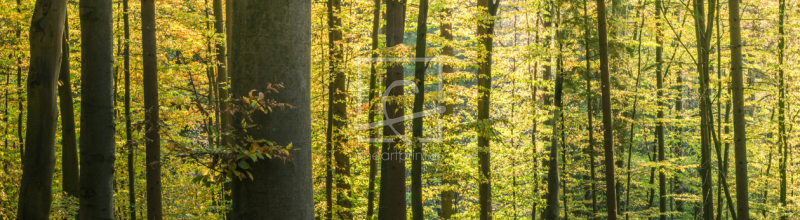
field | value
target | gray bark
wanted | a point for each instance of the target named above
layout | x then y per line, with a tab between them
46	37
97	111
271	45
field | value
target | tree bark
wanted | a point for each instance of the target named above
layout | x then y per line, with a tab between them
69	149
392	204
417	123
589	116
151	110
129	143
784	146
97	111
552	195
662	179
337	112
739	133
278	189
608	136
485	34
447	195
373	84
46	37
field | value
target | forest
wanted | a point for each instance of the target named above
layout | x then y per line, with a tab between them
399	109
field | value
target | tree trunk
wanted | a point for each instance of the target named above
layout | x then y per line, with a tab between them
608	136
392	204
129	143
703	34
97	138
784	146
46	37
485	35
69	149
552	196
373	84
151	110
447	196
589	116
417	123
337	112
739	133
222	76
278	189
662	179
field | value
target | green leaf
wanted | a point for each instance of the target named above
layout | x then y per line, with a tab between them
243	164
253	157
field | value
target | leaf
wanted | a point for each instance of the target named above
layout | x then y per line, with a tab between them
253	147
253	157
243	164
289	147
250	174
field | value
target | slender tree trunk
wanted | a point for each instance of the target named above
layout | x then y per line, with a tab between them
419	100
129	143
97	111
337	112
703	34
633	117
784	146
278	189
222	76
678	150
392	204
662	178
589	116
535	153
551	210
373	82
608	136
46	37
447	195
739	133
69	149
485	35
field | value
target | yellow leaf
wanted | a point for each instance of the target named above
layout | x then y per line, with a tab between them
253	147
289	146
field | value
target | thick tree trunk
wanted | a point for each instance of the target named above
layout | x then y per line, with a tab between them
151	110
46	37
485	35
608	136
373	84
278	189
739	133
129	143
97	111
69	149
419	100
392	204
